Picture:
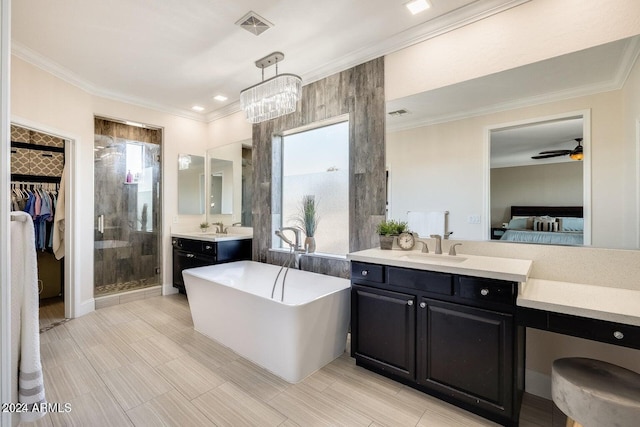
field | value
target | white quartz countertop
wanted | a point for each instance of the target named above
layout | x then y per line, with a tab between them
596	302
516	270
210	236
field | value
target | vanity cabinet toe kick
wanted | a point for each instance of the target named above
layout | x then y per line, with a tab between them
448	335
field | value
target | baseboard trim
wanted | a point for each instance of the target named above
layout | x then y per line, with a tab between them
85	307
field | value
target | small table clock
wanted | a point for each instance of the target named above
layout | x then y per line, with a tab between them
406	241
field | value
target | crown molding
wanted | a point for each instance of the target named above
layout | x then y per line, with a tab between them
225	111
44	63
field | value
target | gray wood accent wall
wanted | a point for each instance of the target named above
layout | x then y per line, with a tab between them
358	92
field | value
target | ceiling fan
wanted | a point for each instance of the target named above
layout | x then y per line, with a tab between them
575	154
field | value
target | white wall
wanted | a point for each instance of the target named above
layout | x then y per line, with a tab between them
42	99
553	184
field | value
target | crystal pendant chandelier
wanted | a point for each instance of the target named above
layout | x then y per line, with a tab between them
273	97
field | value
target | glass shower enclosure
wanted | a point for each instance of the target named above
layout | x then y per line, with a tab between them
127	207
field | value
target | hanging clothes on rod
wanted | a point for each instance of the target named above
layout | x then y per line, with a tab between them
40	201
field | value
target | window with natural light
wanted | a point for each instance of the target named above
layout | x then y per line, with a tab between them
315	163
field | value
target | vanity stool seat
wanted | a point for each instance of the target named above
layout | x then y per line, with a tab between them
596	393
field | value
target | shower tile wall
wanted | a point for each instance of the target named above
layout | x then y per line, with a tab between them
126	254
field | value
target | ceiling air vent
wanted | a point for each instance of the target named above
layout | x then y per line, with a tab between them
397	113
254	23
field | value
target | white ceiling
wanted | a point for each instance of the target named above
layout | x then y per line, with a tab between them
516	145
173	54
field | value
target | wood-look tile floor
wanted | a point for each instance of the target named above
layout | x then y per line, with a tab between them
51	313
142	364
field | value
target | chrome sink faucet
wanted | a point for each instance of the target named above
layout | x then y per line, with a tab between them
438	243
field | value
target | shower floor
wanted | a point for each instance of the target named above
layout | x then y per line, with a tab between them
116	288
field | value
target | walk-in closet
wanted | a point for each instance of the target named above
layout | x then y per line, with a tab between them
37	167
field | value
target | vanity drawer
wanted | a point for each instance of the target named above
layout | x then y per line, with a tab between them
368	272
595	329
482	290
428	281
209	248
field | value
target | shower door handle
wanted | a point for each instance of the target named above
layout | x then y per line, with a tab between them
101	223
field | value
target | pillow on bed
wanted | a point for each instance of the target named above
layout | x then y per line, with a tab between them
571	224
521	223
517	224
545	223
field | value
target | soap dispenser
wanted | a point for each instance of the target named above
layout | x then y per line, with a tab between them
129	177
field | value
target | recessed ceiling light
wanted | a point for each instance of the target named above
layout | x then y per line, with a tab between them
197	108
220	98
417	6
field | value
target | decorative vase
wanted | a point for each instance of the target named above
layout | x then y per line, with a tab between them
204	229
310	244
386	241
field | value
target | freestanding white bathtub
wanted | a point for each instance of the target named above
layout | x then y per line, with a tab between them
231	303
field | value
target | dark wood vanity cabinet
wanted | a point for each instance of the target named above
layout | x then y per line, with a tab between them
466	353
448	335
383	330
191	253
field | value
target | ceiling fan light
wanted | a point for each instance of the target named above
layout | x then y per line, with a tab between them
577	153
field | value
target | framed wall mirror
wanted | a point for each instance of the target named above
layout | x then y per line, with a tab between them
220	186
229	183
191	184
439	142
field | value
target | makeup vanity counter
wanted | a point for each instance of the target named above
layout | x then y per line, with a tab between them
598	313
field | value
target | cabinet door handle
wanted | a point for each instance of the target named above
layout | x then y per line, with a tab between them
618	335
190	255
423	304
484	292
410	302
207	247
364	272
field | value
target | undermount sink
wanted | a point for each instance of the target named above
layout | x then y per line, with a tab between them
434	258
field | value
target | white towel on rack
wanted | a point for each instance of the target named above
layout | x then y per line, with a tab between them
427	223
24	289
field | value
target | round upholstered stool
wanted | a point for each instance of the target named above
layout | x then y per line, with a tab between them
595	393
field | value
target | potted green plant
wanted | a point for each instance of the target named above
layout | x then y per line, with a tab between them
307	219
388	230
204	226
